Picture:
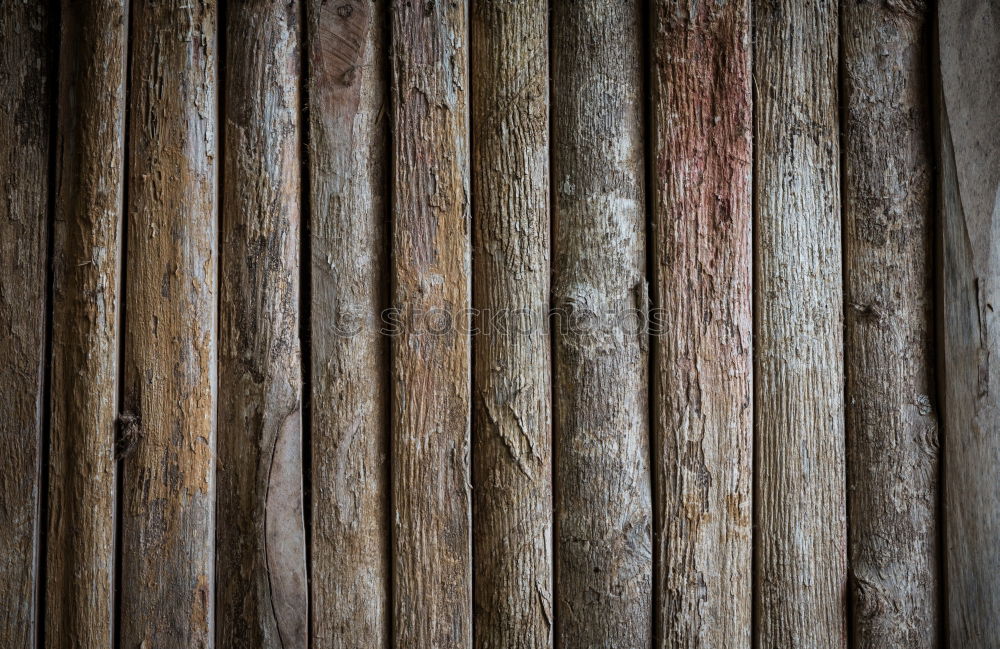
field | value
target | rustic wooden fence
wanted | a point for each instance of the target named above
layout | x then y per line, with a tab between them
583	324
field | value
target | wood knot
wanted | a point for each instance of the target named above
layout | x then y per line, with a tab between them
129	434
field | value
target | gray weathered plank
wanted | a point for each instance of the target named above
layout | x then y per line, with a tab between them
969	203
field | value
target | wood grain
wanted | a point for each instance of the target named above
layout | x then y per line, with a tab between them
85	324
512	452
432	562
702	383
24	172
347	81
168	424
888	270
260	556
969	129
800	508
602	476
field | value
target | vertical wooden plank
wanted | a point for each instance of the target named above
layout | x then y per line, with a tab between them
513	425
432	562
891	395
347	79
168	424
969	129
602	479
260	558
24	169
800	507
85	324
703	364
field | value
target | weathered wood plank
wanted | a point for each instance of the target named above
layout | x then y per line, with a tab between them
260	557
513	423
889	357
602	476
432	562
969	203
24	165
703	364
168	423
85	324
347	79
800	508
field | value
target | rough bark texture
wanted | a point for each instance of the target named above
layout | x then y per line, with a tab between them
168	424
432	562
260	556
602	480
350	479
969	128
85	324
703	371
24	156
800	506
513	424
891	418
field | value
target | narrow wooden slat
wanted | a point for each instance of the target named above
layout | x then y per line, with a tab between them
701	293
800	478
969	130
347	79
24	169
513	425
85	324
168	424
602	476
260	558
431	546
891	394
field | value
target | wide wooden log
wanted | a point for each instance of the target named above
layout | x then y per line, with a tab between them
512	405
260	538
889	355
348	156
431	267
800	509
603	517
167	428
702	376
86	305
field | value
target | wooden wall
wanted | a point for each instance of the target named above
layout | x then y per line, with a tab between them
573	325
